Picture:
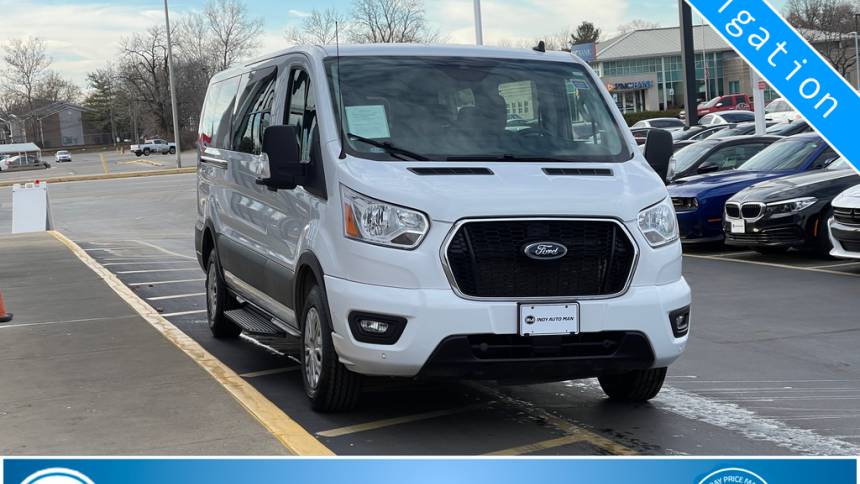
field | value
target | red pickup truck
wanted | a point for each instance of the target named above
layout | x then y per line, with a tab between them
729	102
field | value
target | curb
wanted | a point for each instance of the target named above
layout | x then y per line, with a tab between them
109	176
293	436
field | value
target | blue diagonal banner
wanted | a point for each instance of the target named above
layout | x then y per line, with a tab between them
792	66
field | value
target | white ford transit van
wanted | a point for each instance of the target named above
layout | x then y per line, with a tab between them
438	212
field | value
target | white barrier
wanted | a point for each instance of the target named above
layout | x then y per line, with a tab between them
31	209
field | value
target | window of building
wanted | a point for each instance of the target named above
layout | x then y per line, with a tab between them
734	87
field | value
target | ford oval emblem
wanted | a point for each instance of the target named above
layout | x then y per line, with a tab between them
545	250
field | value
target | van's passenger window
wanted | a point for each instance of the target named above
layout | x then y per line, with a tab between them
254	111
454	108
299	104
215	121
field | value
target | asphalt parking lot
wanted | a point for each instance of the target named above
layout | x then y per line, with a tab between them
97	164
772	366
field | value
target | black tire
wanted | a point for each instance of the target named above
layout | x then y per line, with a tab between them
337	389
218	300
172	150
146	152
634	386
765	250
137	153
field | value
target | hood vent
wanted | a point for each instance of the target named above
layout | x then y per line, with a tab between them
451	170
578	171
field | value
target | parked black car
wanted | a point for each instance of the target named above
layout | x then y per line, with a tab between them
790	211
718	154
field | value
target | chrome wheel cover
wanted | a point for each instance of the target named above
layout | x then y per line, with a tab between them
212	292
313	351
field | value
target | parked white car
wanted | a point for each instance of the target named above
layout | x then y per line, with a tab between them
403	231
4	163
153	146
845	224
62	156
780	111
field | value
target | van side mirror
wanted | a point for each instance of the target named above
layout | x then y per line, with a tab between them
285	169
658	150
708	167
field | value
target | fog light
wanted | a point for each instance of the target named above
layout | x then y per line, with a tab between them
371	326
679	319
382	329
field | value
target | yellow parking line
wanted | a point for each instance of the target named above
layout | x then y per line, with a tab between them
538	446
772	264
388	422
295	438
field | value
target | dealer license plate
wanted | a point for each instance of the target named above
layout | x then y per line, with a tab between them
738	227
538	319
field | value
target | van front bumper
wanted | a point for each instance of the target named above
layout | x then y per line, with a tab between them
442	329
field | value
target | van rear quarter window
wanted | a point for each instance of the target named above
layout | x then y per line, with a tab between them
215	121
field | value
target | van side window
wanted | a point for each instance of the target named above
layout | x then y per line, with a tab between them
254	111
215	121
297	107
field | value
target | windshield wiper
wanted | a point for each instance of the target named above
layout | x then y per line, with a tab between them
506	157
388	147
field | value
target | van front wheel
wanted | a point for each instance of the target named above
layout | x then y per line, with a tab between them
218	301
633	386
330	386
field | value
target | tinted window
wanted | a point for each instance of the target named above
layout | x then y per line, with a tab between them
217	114
254	111
458	108
789	154
667	123
826	156
689	155
738	117
296	107
731	157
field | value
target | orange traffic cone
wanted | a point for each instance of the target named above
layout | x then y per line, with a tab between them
4	316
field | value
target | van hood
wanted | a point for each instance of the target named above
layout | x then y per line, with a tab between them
617	190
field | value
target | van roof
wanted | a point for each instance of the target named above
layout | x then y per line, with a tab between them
441	50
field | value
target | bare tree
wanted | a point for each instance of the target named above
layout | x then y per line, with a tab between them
197	43
390	21
637	24
143	72
826	25
26	62
236	34
318	28
52	87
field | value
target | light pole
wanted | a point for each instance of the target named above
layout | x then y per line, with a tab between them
479	34
857	57
172	89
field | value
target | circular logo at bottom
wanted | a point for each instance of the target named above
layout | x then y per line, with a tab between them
733	475
57	475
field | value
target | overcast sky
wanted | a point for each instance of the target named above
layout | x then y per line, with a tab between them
81	35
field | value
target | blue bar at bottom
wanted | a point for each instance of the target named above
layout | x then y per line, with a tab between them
431	471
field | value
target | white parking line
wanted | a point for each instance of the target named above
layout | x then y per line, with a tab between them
109	249
138	262
159	270
733	417
162	249
183	313
273	371
839	264
771	264
177	296
156	283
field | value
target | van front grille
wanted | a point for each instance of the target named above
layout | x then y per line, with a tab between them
487	258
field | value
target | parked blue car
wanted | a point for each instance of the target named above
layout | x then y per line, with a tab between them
699	200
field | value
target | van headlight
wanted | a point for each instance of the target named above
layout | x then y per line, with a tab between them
789	207
377	222
659	224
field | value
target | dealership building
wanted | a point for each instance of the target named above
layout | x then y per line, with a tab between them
643	69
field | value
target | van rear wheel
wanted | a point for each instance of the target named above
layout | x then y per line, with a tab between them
634	386
330	386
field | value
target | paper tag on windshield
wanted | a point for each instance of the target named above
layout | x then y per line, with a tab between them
368	121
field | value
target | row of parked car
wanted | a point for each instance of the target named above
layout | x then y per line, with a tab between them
773	192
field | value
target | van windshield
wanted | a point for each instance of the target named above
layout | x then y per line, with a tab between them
460	109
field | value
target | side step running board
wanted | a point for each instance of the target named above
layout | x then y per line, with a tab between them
254	324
